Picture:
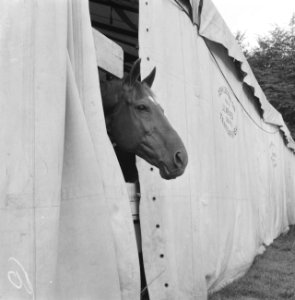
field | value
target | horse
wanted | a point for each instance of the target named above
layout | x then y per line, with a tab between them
136	123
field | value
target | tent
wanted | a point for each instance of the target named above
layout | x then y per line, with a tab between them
238	192
65	217
66	225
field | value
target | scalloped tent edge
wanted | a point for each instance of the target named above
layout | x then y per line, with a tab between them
212	27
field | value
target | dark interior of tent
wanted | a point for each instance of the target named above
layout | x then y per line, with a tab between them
118	20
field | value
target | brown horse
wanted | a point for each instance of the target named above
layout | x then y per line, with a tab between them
136	123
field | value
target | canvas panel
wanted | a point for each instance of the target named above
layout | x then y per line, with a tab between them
177	274
66	225
231	201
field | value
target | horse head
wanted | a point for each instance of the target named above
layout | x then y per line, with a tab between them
136	123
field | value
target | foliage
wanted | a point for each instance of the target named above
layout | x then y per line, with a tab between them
273	63
241	39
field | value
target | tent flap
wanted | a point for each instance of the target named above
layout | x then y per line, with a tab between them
213	27
66	224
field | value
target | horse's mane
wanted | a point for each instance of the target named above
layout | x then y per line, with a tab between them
109	92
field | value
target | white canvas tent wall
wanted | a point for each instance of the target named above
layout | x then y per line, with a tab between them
238	191
66	229
66	226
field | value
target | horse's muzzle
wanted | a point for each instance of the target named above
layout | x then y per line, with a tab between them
175	169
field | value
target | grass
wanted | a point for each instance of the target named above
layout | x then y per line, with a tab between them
271	277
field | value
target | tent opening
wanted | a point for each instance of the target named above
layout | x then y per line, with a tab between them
118	21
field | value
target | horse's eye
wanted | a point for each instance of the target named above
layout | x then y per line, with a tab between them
141	107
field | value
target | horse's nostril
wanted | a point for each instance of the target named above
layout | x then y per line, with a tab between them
179	159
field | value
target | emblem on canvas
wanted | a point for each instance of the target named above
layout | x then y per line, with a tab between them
228	115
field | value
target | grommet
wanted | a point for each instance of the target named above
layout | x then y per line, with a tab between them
162	255
148	58
152	169
154	198
157	225
166	285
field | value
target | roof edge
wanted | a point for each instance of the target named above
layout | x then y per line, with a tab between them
213	28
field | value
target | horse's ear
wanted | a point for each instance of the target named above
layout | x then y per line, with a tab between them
134	73
150	78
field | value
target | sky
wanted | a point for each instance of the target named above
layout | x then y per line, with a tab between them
255	17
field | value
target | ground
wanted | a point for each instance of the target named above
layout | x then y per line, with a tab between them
271	277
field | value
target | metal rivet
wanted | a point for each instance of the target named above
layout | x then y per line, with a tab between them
148	58
147	30
152	169
157	226
154	198
162	255
166	284
146	3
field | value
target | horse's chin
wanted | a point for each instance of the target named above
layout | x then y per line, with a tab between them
165	171
170	174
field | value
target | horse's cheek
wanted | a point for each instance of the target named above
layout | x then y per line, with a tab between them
123	134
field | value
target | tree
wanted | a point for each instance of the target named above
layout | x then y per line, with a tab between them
241	39
273	63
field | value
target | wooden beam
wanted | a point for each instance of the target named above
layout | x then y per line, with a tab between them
109	55
127	32
132	7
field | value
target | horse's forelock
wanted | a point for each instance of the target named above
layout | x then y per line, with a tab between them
130	93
